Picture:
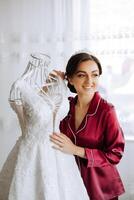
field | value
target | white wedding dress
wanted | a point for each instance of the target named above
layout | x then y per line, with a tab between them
34	170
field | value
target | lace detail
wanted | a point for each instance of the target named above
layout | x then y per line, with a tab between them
33	169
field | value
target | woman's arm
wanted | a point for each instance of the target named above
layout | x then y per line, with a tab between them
114	143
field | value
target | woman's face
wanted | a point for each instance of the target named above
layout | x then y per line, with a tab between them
85	79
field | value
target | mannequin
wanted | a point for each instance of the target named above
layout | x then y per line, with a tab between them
35	74
40	77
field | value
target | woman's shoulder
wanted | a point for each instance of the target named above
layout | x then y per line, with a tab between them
106	105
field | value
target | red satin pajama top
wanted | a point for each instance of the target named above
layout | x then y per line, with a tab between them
102	137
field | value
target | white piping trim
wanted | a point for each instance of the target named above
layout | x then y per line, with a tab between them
95	109
82	129
83	126
72	132
89	115
75	144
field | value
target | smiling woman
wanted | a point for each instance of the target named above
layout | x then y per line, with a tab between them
72	69
91	130
86	77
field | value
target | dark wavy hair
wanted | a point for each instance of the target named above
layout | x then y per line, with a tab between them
73	64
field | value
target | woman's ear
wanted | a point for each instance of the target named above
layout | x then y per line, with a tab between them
70	81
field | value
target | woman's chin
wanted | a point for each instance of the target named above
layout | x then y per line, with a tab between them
89	90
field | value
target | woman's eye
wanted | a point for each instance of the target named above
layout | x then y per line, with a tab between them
81	75
95	75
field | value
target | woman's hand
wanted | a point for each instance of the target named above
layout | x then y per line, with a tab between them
63	143
58	73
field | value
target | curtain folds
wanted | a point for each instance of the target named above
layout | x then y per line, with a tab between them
56	27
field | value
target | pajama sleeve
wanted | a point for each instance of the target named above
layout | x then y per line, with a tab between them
113	143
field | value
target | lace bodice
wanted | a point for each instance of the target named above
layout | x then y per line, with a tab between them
42	111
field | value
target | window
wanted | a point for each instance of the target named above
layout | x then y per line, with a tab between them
112	41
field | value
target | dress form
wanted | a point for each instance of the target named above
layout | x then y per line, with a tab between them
37	75
43	81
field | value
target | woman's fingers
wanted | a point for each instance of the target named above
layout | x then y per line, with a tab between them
56	73
61	135
57	137
61	142
58	148
57	140
59	73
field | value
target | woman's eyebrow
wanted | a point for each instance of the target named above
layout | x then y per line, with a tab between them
80	72
95	70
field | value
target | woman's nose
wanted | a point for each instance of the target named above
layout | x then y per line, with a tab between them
89	80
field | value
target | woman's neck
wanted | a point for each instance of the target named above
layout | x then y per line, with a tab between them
84	100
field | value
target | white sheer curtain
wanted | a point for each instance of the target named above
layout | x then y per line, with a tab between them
56	27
